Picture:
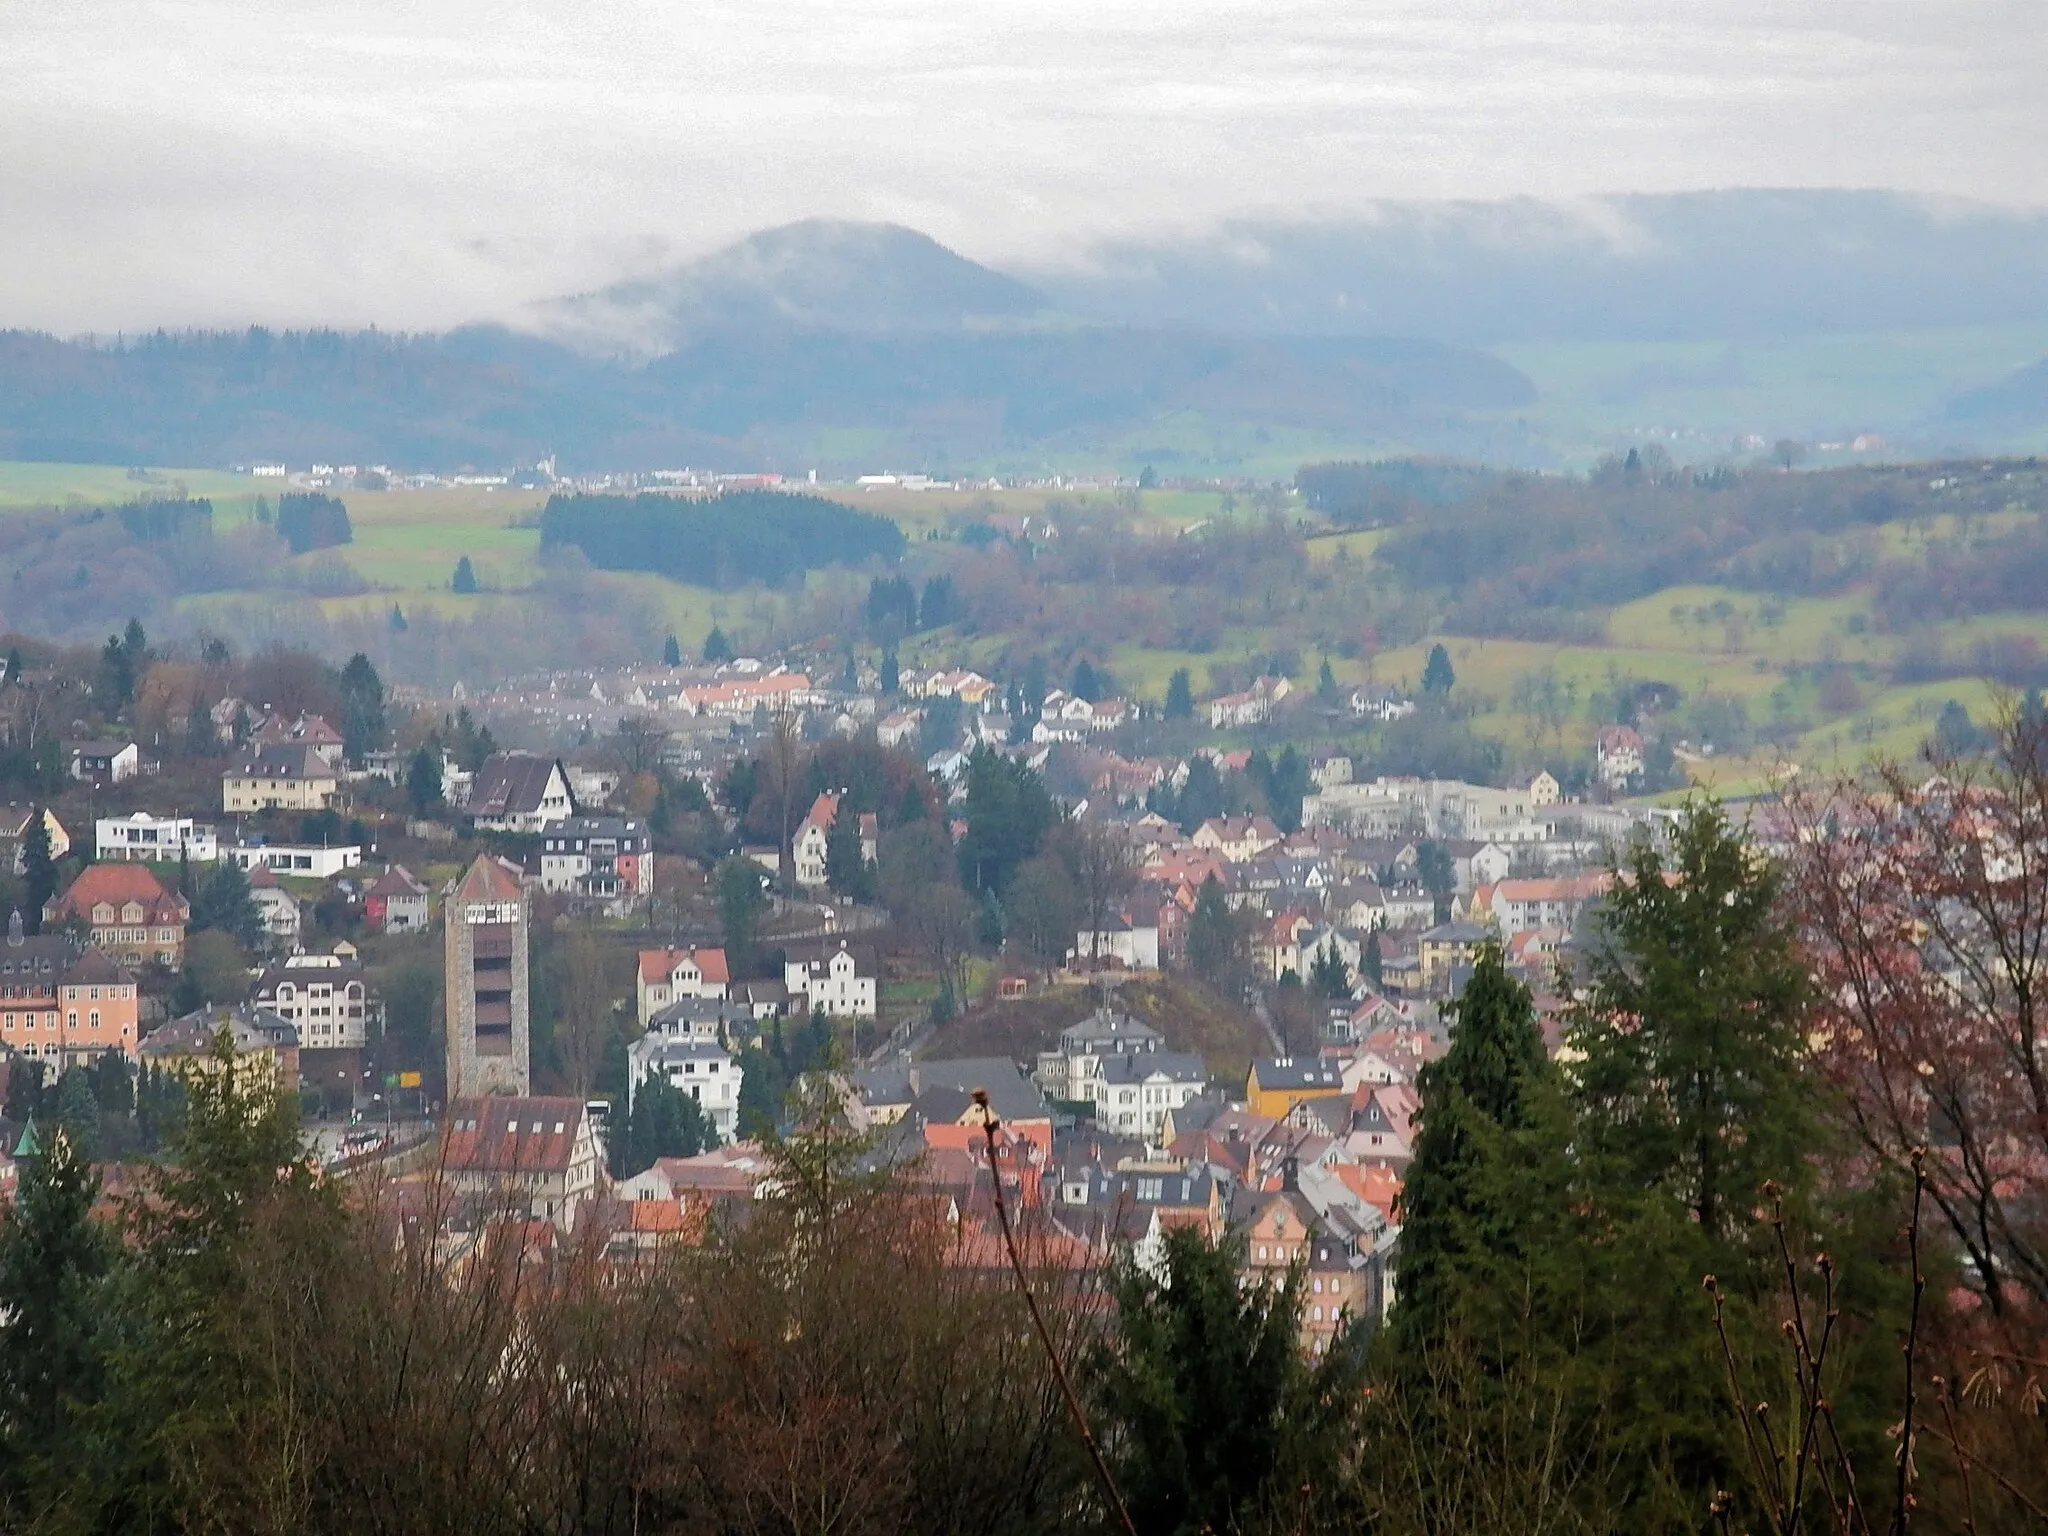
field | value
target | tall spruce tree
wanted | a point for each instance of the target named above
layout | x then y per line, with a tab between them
1460	1224
362	707
1328	975
847	869
1217	1419
54	1263
1693	1080
39	870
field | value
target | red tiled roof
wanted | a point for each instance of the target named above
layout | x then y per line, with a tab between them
119	884
659	964
489	879
506	1135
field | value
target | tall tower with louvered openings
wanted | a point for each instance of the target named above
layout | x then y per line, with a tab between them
484	942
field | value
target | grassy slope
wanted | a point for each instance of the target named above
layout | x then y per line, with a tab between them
407	544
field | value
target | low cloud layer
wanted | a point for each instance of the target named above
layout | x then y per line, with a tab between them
417	163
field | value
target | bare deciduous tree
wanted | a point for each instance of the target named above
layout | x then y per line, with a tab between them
1925	898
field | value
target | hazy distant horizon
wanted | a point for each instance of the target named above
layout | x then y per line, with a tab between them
216	162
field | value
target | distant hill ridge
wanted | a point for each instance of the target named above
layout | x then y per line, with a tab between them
1368	333
818	274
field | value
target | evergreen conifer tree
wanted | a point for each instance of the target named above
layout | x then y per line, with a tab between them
1457	1228
1693	1077
1438	677
1218	1419
54	1263
423	780
39	871
1328	975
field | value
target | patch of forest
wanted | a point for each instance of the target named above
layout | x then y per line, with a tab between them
765	536
1529	556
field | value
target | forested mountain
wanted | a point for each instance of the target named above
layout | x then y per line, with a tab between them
838	346
819	274
486	396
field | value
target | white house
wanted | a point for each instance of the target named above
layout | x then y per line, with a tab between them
141	837
1490	863
326	996
276	907
1375	701
807	846
1061	1071
1252	707
1617	755
669	975
604	858
703	1069
1133	1093
1134	946
106	762
830	976
305	861
521	792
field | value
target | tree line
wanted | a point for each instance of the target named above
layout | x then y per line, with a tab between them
764	536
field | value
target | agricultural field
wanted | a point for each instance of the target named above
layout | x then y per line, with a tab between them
1766	658
27	484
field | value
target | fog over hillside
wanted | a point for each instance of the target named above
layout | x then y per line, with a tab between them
841	345
1715	265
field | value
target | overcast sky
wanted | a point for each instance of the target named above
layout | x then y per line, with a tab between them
422	162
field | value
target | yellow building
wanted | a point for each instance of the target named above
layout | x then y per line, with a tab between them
289	778
1277	1084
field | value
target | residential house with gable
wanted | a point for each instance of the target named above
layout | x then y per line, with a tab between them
521	792
606	859
1617	755
61	1005
808	844
831	976
129	914
1238	839
1254	706
325	997
669	975
397	901
105	762
306	731
536	1157
15	821
279	778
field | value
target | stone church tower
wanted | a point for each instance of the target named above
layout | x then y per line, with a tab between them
484	944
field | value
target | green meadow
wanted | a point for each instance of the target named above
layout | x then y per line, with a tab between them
1765	651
